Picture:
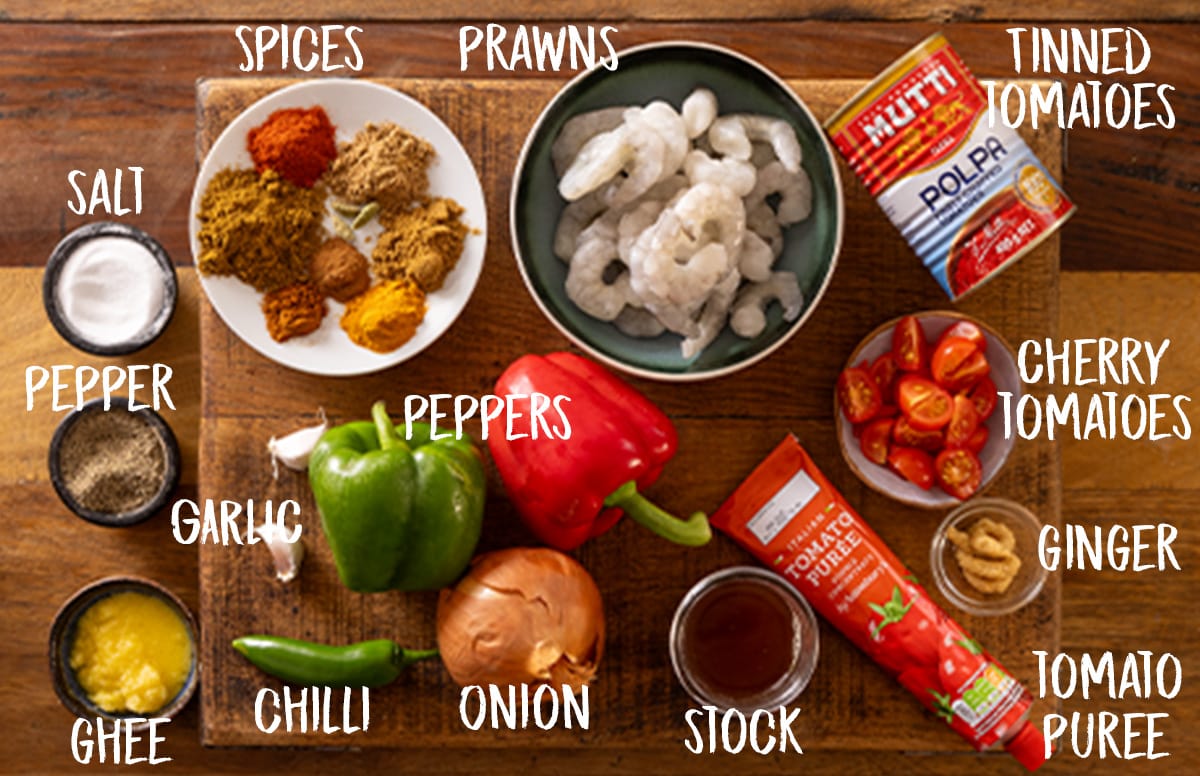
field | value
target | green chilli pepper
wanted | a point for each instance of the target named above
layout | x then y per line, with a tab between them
365	664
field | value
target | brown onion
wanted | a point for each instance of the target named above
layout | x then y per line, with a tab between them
522	616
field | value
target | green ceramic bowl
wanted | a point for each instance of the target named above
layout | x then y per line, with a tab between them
670	71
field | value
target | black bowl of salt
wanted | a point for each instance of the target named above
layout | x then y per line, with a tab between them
114	466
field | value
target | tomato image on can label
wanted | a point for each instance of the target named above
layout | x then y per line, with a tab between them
967	193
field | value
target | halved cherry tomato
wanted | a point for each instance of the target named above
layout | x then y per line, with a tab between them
963	422
983	394
888	411
925	404
958	472
969	331
858	395
931	441
909	346
884	370
913	465
875	440
978	440
957	364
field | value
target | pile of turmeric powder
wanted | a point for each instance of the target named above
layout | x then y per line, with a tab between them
386	316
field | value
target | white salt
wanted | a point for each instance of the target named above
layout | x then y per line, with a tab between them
110	290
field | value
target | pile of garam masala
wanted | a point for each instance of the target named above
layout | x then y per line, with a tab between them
266	227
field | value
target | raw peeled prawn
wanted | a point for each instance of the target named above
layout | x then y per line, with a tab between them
638	322
698	112
633	223
644	160
712	211
755	259
666	266
794	190
586	284
580	129
762	221
749	317
713	316
732	135
735	174
576	216
664	120
600	158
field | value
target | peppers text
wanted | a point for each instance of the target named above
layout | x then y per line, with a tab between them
504	709
120	741
537	49
547	416
311	710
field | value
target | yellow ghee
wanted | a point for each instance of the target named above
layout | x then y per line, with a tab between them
131	652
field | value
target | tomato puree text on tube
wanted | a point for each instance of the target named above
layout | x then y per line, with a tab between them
790	517
965	191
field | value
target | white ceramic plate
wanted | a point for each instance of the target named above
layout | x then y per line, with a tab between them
350	105
1003	373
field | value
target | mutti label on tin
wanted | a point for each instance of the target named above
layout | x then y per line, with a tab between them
968	197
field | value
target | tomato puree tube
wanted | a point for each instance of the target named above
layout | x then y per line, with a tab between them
961	186
789	516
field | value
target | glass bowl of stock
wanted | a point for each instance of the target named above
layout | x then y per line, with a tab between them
743	638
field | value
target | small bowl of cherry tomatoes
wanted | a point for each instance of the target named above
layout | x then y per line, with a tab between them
917	410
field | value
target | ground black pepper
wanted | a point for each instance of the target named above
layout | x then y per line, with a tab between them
112	462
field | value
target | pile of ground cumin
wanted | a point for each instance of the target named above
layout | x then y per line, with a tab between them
383	163
422	244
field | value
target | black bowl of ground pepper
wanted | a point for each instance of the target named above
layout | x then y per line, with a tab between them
114	466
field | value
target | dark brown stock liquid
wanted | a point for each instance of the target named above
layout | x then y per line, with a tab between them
738	638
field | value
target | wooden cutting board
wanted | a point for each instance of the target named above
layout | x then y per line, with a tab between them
725	426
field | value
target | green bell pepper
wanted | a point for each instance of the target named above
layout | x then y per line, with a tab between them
398	514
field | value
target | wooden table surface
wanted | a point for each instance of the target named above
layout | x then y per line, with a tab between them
89	85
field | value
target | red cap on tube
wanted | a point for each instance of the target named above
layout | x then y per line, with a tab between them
1028	746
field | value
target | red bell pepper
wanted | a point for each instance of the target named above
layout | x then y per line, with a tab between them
569	490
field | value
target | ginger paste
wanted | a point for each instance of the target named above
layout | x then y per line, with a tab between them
131	652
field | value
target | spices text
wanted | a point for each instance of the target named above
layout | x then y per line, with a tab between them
302	47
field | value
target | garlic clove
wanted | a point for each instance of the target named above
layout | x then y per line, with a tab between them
294	449
287	555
